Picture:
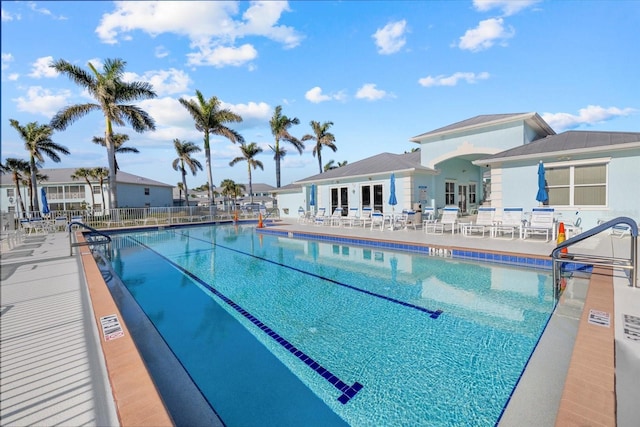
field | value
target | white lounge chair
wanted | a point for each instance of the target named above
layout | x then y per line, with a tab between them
60	223
321	217
428	216
410	220
484	222
353	218
449	218
302	216
336	217
377	220
510	221
365	217
541	223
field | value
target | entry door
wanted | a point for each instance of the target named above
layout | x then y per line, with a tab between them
462	198
340	198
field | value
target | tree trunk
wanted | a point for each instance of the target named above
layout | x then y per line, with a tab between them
111	155
319	160
34	187
207	155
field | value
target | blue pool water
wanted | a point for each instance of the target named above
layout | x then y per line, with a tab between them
280	331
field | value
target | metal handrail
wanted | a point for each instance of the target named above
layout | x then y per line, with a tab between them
559	257
93	230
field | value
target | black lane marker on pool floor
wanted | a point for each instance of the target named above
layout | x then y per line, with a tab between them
433	314
347	391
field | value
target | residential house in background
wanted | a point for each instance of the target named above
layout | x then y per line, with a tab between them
65	193
488	160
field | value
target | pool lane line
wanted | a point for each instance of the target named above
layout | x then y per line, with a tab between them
348	391
433	314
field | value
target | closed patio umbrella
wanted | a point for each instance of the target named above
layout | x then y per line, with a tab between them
392	188
542	195
45	204
312	197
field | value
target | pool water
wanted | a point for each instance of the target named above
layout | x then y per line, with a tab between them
280	331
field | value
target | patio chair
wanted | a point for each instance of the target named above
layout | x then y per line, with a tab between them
377	220
25	226
60	223
449	217
321	217
365	218
410	220
336	217
428	216
352	218
484	222
302	216
510	221
541	223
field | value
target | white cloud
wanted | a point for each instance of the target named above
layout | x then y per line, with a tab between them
6	59
43	11
369	92
453	79
252	113
390	38
39	100
164	82
14	76
210	26
161	52
42	68
508	7
485	35
590	115
8	16
222	56
316	96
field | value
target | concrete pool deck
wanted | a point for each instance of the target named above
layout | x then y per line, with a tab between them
58	369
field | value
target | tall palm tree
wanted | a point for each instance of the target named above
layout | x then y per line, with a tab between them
280	125
119	139
85	173
100	174
210	119
16	167
185	149
230	189
322	137
249	152
110	93
38	143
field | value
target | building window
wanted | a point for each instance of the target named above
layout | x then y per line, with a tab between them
10	192
472	194
449	193
371	197
95	189
146	191
580	185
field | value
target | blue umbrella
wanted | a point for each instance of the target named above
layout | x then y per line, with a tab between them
542	195
392	188
45	204
312	197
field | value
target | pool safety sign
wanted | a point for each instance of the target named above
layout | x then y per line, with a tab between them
111	328
600	318
631	326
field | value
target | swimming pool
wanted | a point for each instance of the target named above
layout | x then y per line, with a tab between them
281	331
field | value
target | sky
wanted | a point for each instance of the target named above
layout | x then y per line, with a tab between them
381	71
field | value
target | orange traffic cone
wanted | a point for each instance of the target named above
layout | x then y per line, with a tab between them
561	237
260	225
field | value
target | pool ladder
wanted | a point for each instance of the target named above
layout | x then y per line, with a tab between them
631	263
105	241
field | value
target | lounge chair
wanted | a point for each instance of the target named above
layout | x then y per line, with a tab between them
449	218
428	216
353	218
541	223
60	223
321	217
377	220
510	221
365	218
410	220
336	217
484	222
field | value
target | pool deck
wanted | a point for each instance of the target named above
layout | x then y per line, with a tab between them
58	368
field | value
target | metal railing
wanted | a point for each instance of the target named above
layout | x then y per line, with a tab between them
73	224
630	263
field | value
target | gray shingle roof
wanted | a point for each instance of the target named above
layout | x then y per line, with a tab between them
378	164
568	142
484	120
63	176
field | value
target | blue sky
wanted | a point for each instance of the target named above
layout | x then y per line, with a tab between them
381	71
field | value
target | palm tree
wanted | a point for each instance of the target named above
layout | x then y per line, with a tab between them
231	189
280	125
184	150
110	93
85	173
209	118
180	186
331	164
119	139
16	167
249	152
100	174
322	138
38	143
